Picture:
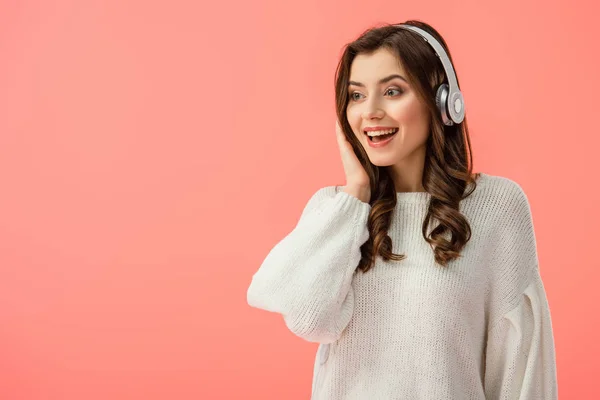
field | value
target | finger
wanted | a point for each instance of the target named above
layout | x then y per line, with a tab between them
343	143
339	135
338	131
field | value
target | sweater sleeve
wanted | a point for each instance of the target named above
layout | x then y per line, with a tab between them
520	353
307	276
520	358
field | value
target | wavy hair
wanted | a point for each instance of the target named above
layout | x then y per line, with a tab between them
448	162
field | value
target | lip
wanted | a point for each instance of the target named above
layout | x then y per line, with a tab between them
381	144
378	128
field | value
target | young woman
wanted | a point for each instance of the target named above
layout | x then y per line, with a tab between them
419	279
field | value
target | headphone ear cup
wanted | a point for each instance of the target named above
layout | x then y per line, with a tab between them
441	101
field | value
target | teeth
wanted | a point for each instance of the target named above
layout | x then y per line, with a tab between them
379	133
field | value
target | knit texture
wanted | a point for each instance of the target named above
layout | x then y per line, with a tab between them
479	329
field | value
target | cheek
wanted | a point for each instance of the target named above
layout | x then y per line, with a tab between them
413	116
355	120
406	112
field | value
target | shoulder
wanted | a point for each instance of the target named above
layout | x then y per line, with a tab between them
510	220
502	194
501	186
320	195
324	192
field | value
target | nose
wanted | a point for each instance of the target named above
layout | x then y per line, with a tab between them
372	110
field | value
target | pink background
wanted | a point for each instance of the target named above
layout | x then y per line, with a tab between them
152	153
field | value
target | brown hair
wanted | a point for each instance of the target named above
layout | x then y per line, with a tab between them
448	161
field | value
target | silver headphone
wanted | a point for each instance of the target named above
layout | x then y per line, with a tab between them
449	98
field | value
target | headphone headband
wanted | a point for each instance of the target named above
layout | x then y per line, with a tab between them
451	102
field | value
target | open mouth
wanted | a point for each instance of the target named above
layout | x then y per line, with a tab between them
381	138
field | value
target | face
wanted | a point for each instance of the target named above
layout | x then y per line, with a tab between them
380	96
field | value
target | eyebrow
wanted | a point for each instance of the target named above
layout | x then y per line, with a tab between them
384	80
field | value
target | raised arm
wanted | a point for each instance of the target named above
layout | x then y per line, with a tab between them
307	276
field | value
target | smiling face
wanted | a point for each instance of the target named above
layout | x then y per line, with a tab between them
374	100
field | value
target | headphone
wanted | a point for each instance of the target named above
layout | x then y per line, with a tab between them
448	98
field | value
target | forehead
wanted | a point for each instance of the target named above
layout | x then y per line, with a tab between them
370	67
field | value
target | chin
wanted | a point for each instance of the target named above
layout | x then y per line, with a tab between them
385	159
379	161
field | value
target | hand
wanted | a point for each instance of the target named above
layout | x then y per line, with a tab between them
357	179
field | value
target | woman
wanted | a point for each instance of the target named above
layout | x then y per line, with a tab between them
419	279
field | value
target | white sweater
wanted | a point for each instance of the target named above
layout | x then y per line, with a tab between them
478	329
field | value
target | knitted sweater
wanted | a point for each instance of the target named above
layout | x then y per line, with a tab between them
478	329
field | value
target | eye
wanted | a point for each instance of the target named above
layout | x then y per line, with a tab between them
353	98
397	90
